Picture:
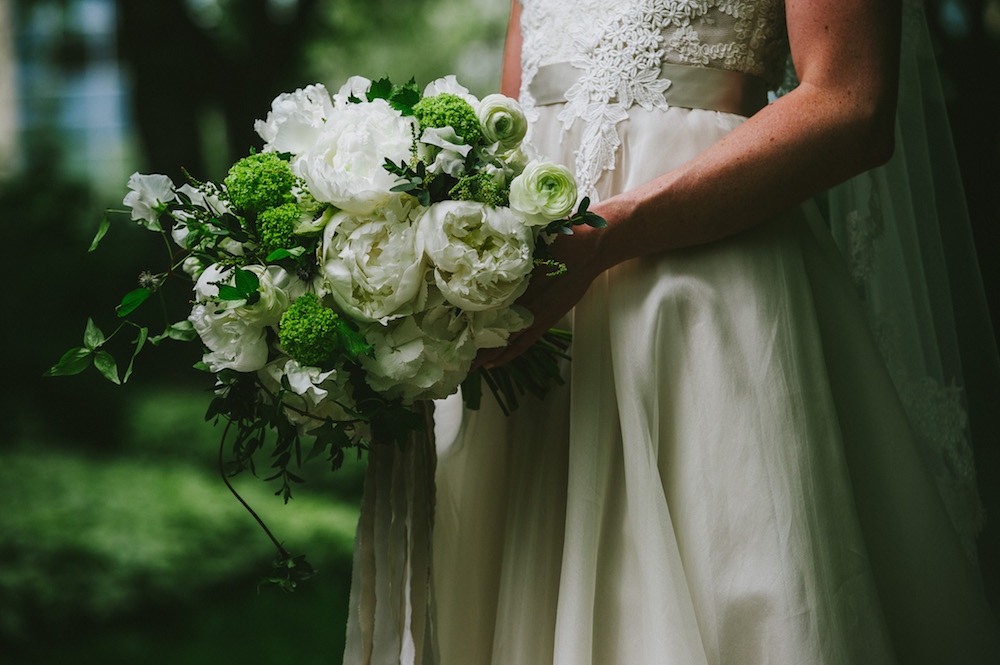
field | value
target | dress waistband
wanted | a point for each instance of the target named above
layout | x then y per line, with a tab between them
690	87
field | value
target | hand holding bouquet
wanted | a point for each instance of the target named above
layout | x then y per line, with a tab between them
356	264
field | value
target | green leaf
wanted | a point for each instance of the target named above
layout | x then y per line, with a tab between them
404	97
73	361
227	292
92	336
132	300
246	281
140	340
102	230
107	366
380	89
182	331
472	390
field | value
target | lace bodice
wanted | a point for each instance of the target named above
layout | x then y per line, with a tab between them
620	45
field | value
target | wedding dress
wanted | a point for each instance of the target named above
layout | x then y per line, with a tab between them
728	475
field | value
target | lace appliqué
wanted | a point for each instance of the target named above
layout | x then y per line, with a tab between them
619	48
618	69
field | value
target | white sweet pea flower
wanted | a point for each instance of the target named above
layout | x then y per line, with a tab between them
451	153
481	256
345	164
502	120
147	196
356	86
231	341
374	266
295	119
545	190
315	394
449	84
212	203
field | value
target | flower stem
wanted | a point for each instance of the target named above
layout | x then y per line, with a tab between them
222	472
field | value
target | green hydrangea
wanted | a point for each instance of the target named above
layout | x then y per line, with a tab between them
481	187
260	181
448	110
275	226
308	331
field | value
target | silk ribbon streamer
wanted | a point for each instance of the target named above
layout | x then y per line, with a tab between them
391	617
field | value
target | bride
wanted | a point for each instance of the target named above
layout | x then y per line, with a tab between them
728	475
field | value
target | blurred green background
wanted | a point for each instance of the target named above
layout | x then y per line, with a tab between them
118	542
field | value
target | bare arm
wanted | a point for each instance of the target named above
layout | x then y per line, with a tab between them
510	79
837	123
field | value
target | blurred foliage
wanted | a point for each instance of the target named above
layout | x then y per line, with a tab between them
88	539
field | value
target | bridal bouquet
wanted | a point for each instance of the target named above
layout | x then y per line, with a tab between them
355	265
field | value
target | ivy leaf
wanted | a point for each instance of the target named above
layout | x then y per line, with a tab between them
107	366
92	336
73	361
102	230
132	300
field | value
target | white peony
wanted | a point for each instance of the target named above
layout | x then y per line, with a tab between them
421	357
490	328
481	256
147	196
502	120
544	190
345	164
449	84
295	119
374	266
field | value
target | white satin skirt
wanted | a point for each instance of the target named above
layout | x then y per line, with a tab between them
726	478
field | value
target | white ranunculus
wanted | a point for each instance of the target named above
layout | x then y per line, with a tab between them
544	190
449	84
374	266
450	153
295	119
481	256
147	195
502	120
345	164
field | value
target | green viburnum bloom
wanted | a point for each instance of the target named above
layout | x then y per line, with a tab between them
308	331
260	181
481	187
448	110
275	226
